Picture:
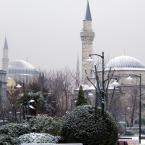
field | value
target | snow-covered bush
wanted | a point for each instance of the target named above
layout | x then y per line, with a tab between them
15	129
83	126
44	124
8	140
38	138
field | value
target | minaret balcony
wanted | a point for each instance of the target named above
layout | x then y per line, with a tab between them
87	36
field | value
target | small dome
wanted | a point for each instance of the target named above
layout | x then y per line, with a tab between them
21	65
125	62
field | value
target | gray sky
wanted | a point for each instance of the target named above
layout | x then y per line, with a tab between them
46	32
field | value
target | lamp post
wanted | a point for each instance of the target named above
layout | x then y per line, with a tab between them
18	86
140	93
103	82
125	118
140	110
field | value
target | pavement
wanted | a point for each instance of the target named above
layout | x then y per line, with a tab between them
132	140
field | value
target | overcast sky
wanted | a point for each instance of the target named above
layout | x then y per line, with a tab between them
47	32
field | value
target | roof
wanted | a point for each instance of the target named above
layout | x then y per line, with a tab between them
125	63
21	65
88	13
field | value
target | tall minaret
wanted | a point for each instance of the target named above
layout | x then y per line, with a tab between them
87	37
5	59
78	73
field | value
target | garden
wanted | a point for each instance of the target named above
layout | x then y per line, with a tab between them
84	124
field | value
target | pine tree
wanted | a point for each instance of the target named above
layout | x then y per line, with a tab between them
81	100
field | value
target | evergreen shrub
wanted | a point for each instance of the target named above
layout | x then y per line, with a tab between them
8	140
45	124
81	100
129	133
14	129
83	126
142	121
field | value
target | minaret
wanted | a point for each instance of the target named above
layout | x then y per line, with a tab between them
5	59
87	37
78	73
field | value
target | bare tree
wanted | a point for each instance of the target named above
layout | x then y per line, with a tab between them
61	84
97	83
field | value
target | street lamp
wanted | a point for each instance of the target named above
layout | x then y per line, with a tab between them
103	82
140	93
18	86
129	78
125	119
115	84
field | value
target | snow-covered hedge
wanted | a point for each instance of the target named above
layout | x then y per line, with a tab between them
83	126
38	138
14	129
8	140
45	124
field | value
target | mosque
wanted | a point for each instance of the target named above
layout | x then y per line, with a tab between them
122	66
18	70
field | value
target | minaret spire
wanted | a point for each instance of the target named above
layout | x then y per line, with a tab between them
6	44
88	16
5	59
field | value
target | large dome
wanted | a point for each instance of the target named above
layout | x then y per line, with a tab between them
22	70
21	65
125	62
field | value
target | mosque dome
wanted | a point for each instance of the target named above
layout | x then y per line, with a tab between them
22	70
125	63
21	65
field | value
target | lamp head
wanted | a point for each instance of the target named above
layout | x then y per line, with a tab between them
129	78
90	59
115	83
18	86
